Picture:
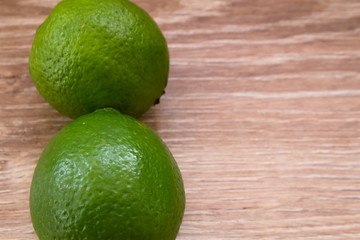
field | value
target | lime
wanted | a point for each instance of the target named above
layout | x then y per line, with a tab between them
106	176
91	54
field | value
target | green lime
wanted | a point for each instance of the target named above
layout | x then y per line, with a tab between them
91	54
106	176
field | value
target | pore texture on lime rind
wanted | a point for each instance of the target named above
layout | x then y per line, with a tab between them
91	54
106	176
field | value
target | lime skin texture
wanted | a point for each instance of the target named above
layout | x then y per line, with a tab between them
106	176
92	54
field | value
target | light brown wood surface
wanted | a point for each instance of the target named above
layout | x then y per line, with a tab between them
262	113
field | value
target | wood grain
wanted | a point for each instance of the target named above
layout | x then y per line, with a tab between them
262	113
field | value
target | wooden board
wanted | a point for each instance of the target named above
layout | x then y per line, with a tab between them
262	113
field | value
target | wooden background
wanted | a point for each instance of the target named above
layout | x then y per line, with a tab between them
262	113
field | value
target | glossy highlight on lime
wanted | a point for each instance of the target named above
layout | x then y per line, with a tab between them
107	176
91	54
